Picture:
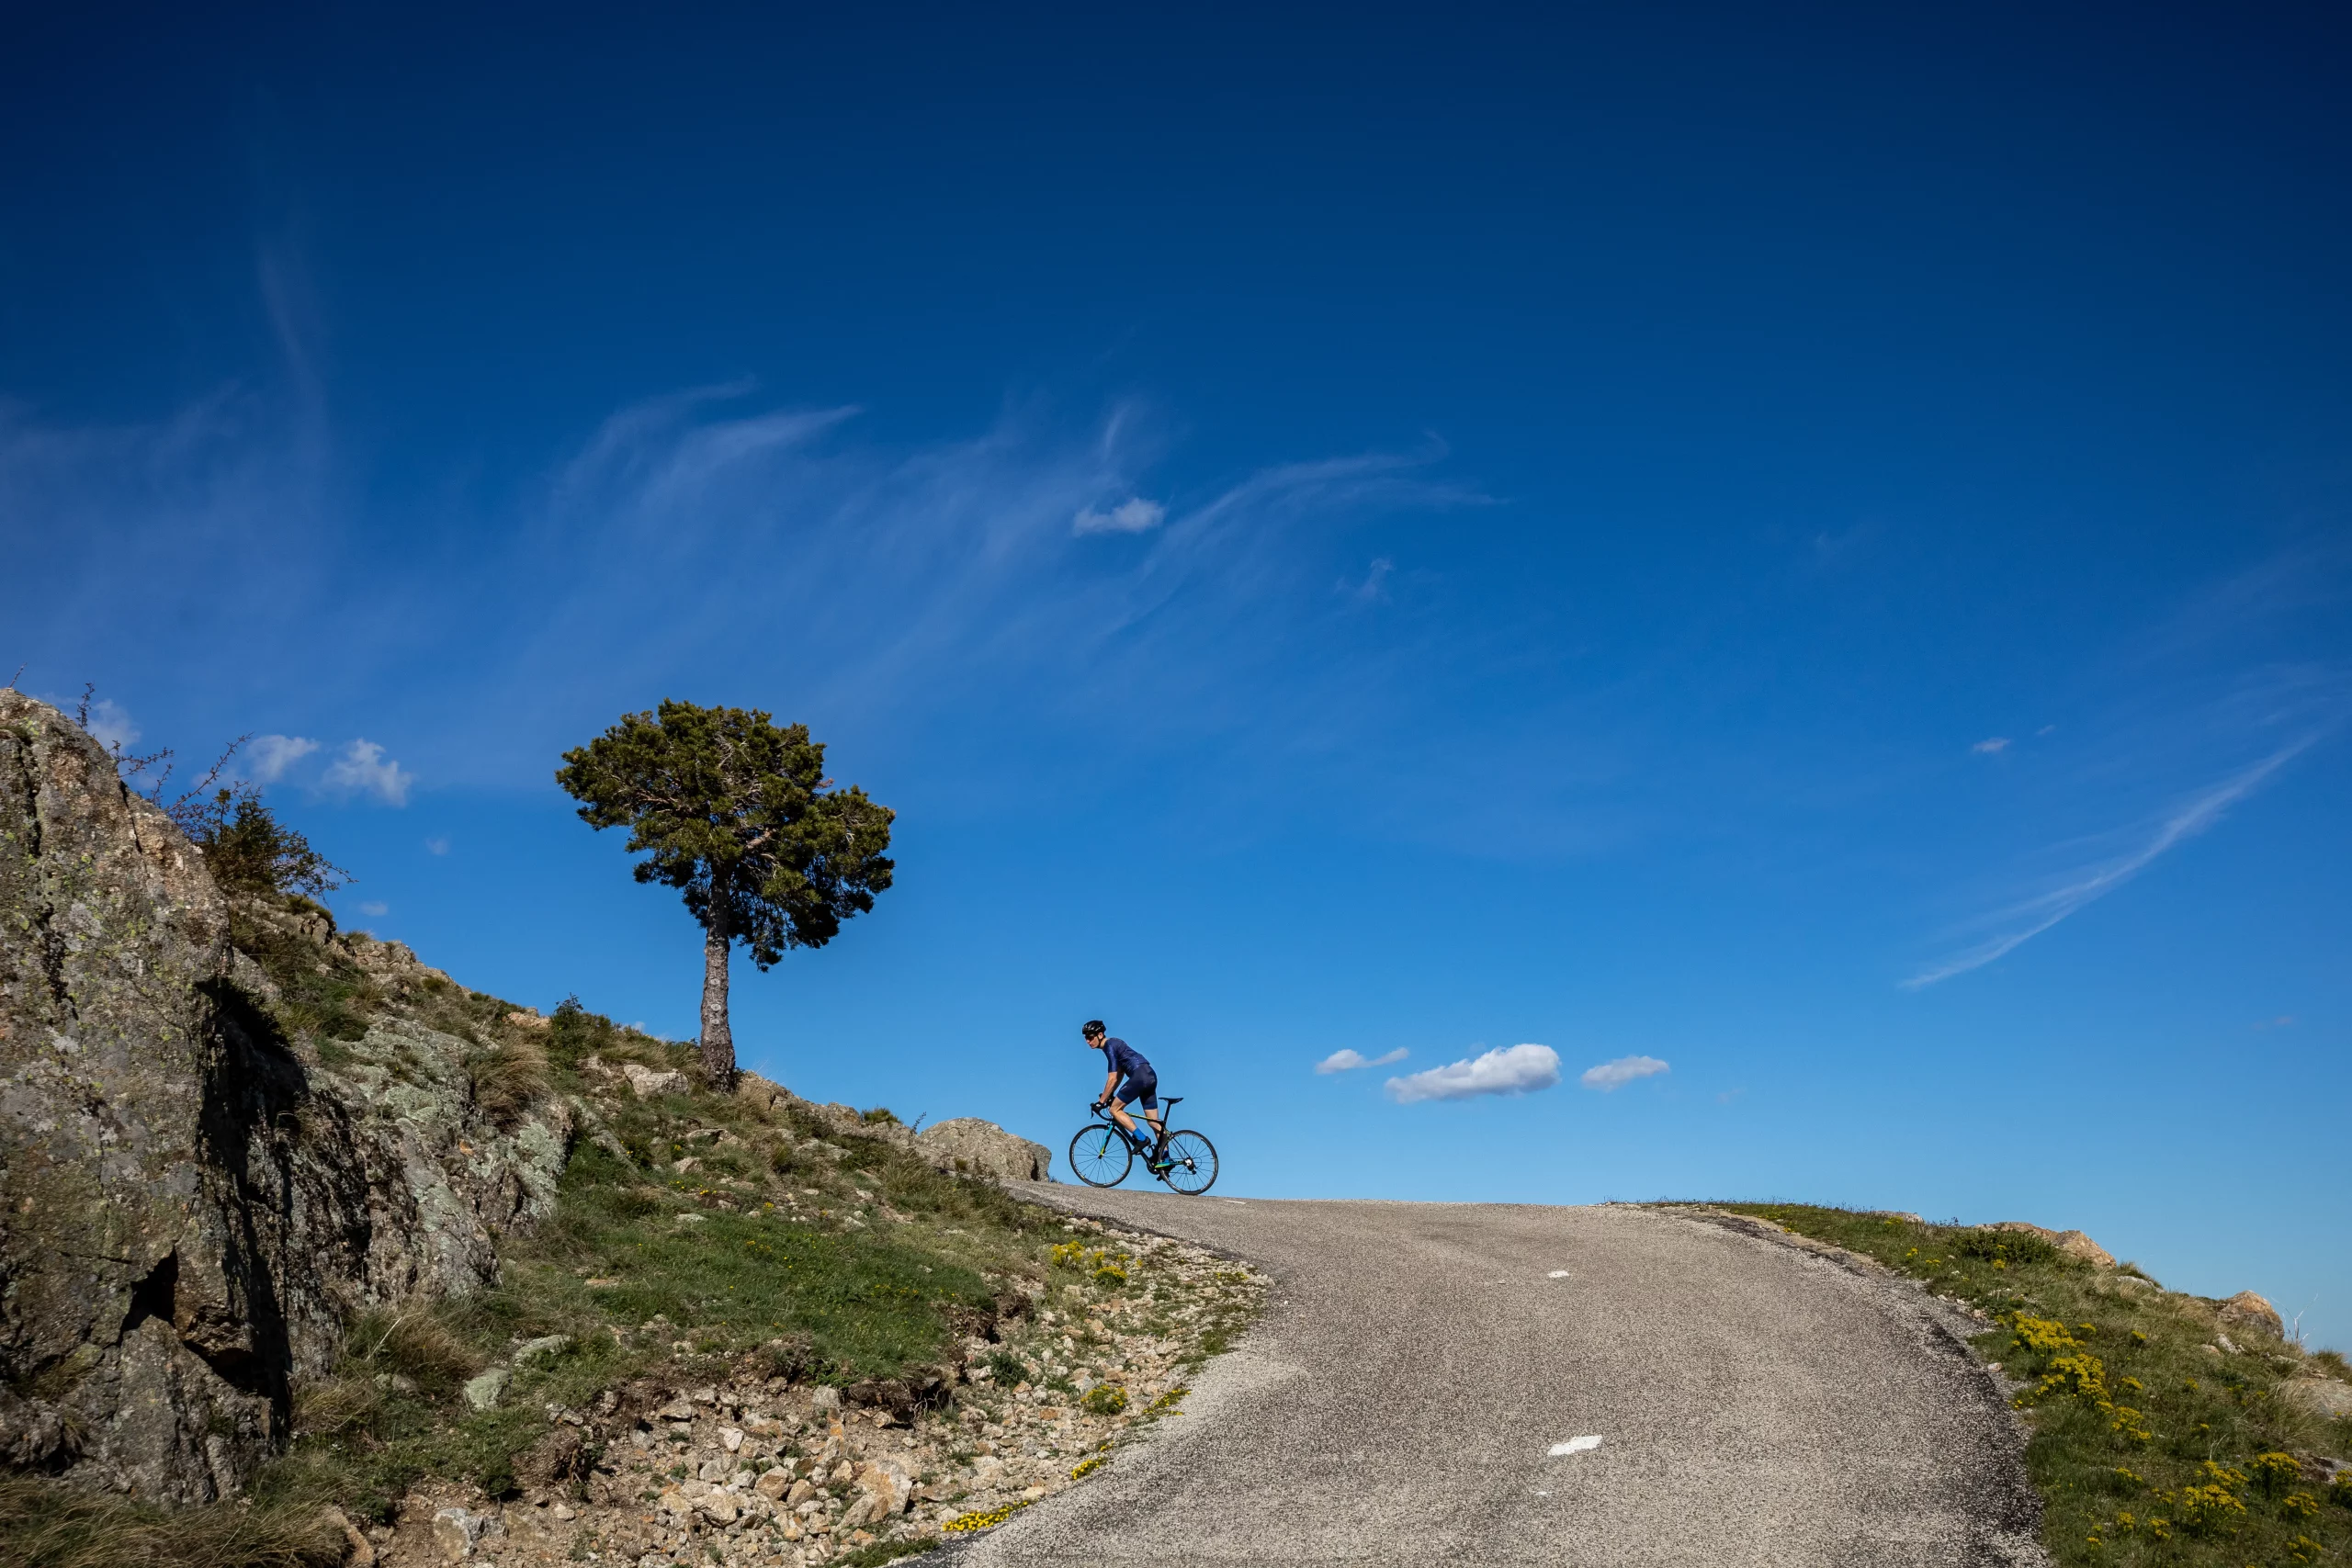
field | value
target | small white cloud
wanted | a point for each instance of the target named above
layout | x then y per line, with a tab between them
364	770
375	907
110	726
1345	1061
1508	1069
1622	1071
1134	516
1991	745
269	756
437	846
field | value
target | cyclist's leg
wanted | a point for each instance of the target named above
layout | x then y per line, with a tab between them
1147	1092
1119	1113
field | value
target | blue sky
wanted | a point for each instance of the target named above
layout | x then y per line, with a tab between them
1810	550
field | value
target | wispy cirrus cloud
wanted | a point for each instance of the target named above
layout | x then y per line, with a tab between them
698	541
2184	722
1508	1069
1348	1061
2022	922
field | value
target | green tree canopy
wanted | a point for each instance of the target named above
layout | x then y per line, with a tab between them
737	813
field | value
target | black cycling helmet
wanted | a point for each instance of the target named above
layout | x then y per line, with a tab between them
1094	1030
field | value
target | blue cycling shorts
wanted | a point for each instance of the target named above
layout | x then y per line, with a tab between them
1145	1089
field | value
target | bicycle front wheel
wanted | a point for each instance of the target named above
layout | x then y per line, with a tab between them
1192	1167
1101	1155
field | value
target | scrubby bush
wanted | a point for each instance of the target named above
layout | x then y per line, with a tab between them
574	1034
249	851
2007	1247
1104	1399
2275	1472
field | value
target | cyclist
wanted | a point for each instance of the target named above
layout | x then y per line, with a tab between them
1126	1062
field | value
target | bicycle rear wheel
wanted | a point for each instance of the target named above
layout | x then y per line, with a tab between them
1193	1171
1101	1155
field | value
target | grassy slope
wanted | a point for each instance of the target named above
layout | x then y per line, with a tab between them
791	1247
2147	1446
774	1248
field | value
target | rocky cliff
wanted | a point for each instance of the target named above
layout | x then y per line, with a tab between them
201	1177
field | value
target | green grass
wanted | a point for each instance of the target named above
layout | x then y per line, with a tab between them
330	1007
694	1275
2147	1447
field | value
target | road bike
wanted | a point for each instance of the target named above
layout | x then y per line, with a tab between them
1102	1155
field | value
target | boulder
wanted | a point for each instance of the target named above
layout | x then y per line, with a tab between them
889	1484
648	1083
2250	1310
2073	1243
196	1199
762	1092
456	1532
982	1149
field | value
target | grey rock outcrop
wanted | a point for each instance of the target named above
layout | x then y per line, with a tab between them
982	1148
193	1197
648	1083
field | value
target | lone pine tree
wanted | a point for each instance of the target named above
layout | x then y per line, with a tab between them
737	815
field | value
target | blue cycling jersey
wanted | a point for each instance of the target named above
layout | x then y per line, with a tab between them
1126	1061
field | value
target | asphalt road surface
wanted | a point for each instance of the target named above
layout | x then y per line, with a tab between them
1417	1364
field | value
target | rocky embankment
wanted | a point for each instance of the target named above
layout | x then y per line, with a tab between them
746	1470
192	1205
226	1130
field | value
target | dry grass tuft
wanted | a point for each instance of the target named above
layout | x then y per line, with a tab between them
507	1078
44	1524
413	1341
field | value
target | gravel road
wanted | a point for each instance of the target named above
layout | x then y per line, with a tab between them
1418	1362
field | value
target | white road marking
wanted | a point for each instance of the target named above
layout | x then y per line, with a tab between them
1557	1274
1574	1446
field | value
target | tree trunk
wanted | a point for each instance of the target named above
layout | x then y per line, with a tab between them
717	1038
